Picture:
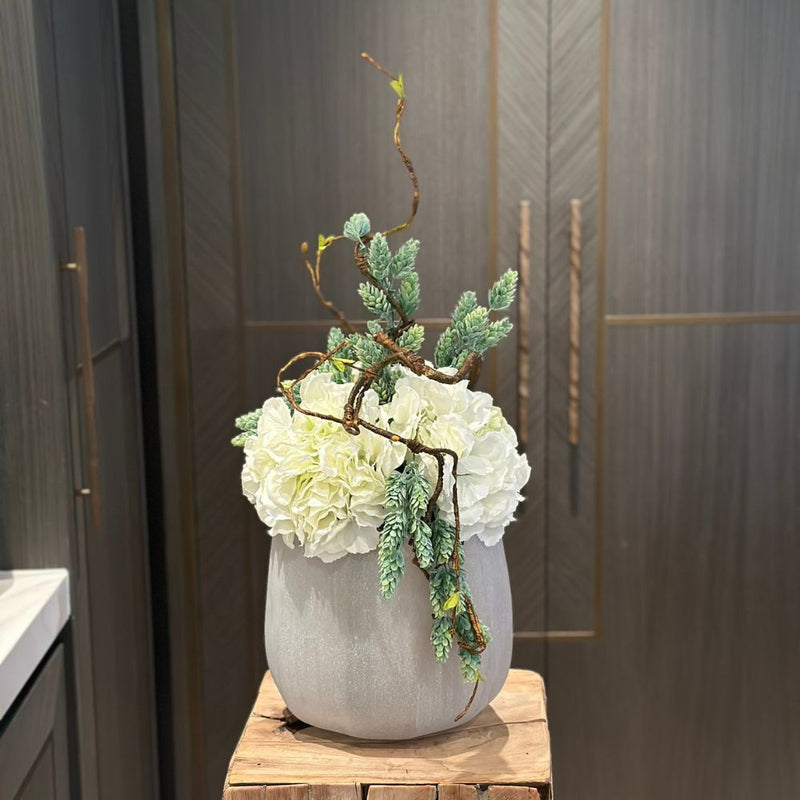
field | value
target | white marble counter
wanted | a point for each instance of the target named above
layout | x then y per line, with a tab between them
34	607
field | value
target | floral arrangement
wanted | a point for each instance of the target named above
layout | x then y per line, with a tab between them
373	448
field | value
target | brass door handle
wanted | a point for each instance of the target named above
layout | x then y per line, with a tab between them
574	390
523	323
79	268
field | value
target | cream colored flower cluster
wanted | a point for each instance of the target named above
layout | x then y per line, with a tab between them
315	484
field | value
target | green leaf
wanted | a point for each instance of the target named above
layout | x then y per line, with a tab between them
451	601
442	638
379	258
470	665
398	86
403	261
501	295
445	348
340	363
323	242
409	293
466	303
375	301
356	227
412	338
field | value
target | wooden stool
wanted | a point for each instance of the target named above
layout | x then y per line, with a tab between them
504	754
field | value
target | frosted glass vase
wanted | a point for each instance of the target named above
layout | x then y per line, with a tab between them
347	660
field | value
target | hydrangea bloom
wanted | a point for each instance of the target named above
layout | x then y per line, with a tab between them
313	483
491	472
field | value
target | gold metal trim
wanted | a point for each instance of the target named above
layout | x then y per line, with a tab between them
574	384
712	318
494	214
523	324
80	268
300	324
600	343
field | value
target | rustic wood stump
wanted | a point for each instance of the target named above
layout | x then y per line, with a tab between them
502	754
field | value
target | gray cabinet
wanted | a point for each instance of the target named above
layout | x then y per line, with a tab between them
63	166
34	739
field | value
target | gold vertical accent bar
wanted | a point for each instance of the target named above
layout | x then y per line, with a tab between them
80	269
494	47
574	392
523	323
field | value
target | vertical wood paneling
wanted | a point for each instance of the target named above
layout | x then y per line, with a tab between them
574	173
521	123
35	481
282	127
225	651
704	156
315	128
692	692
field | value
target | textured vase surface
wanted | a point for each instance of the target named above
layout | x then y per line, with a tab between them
347	660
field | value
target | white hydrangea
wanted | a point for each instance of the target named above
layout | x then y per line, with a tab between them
312	482
491	473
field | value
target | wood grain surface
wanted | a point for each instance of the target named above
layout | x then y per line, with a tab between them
704	156
692	691
507	743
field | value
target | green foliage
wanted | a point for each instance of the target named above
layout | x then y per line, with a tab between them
442	637
442	587
444	539
376	302
379	258
248	425
398	87
421	541
404	259
385	382
412	338
390	550
446	348
409	293
466	303
471	328
470	665
406	499
357	227
501	295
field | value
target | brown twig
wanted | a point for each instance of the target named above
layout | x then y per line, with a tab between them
351	419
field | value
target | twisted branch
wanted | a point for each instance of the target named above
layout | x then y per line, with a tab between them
351	419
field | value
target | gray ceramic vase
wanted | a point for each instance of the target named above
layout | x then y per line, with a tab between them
347	660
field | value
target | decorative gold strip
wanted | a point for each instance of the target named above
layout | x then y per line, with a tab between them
494	46
80	268
574	388
324	324
600	343
543	636
523	324
712	318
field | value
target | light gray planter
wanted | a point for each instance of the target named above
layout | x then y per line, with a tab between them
347	660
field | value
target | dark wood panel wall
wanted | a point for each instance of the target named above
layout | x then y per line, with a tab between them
688	690
644	612
262	170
